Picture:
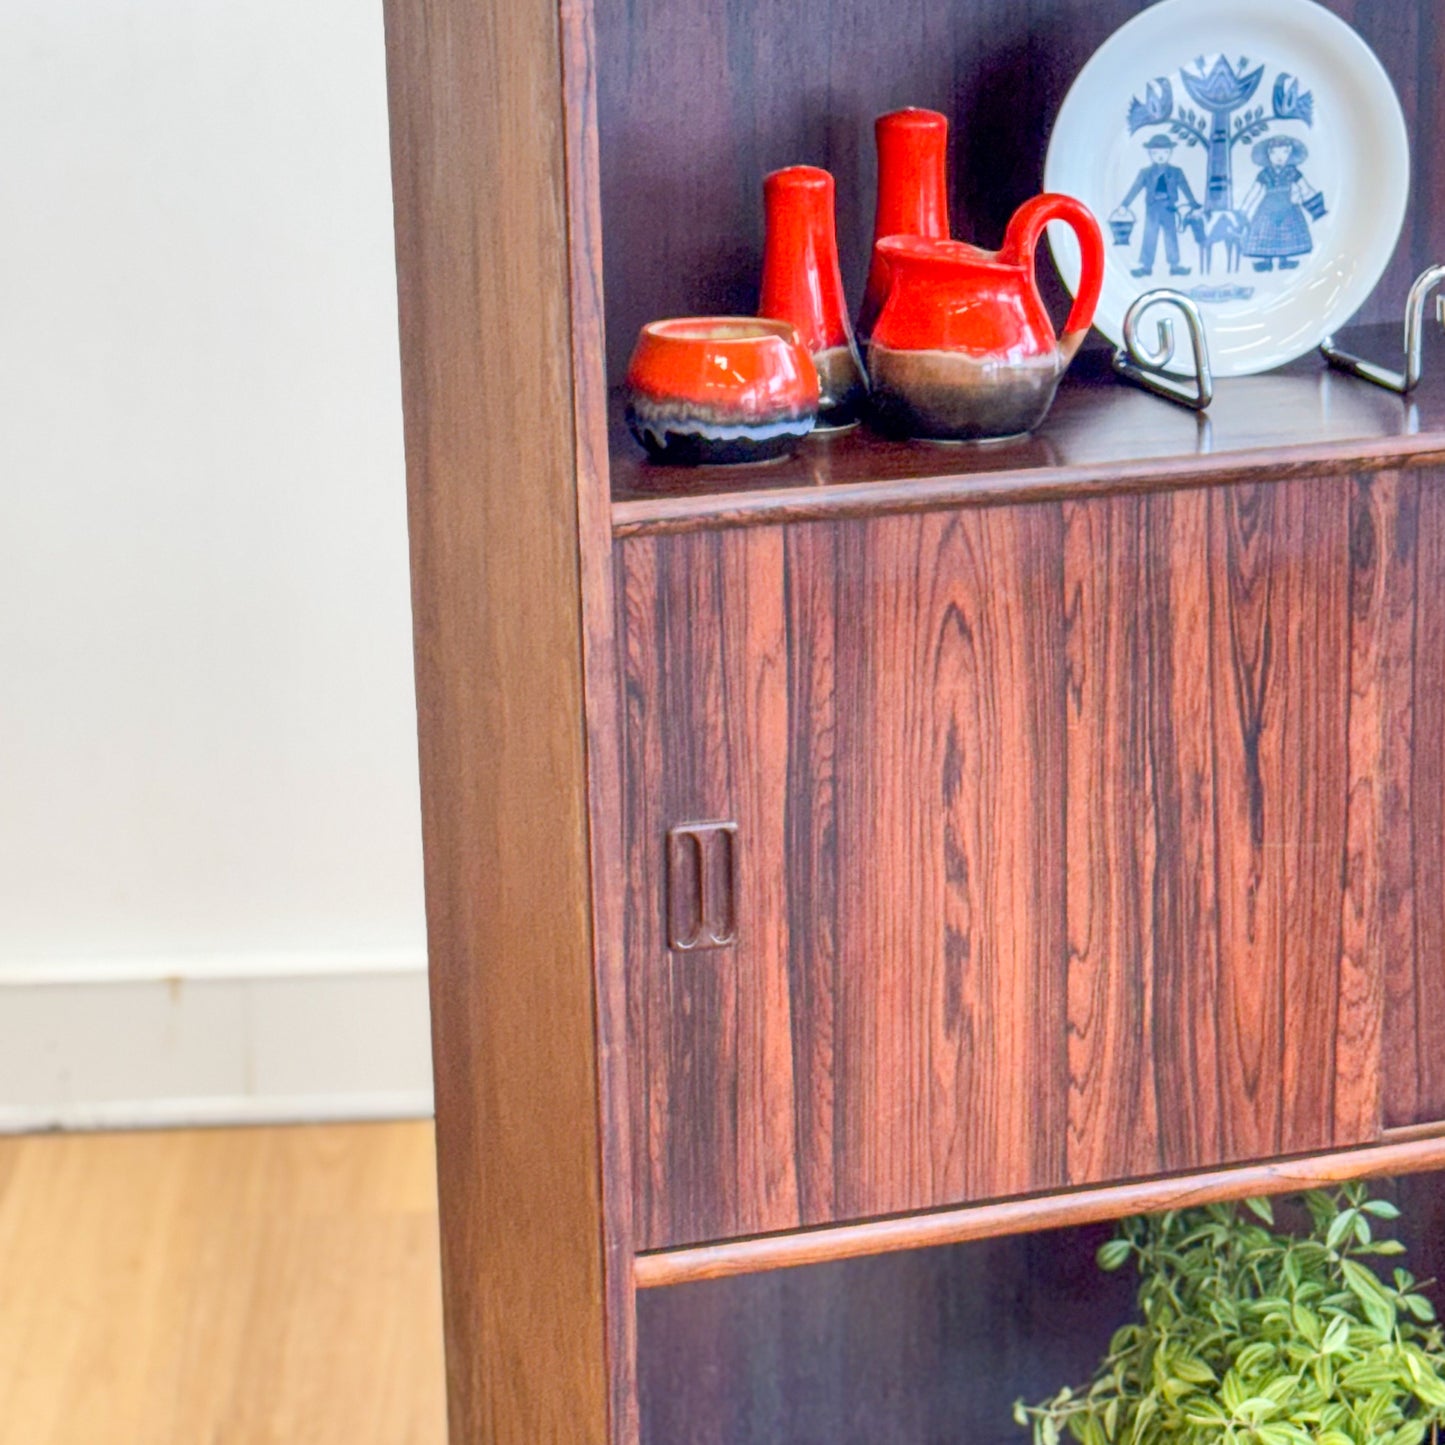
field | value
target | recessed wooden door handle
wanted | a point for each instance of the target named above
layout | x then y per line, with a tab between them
701	886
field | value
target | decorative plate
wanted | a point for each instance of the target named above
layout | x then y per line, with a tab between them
1250	153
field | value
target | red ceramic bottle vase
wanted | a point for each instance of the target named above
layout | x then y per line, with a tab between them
912	193
803	285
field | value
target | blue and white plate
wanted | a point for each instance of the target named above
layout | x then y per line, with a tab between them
1250	153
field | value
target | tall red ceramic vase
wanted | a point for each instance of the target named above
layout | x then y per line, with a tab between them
803	285
912	193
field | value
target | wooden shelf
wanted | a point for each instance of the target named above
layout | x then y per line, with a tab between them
1411	1153
1102	435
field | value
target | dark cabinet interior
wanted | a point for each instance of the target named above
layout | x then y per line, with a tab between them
927	1348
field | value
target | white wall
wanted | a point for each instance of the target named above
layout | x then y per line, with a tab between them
210	891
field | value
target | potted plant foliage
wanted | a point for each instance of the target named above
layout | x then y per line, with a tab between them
1253	1336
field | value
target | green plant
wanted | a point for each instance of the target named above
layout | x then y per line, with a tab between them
1252	1335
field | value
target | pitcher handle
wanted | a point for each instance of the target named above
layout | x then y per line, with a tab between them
1022	239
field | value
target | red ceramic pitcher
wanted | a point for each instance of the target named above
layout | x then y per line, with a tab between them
964	349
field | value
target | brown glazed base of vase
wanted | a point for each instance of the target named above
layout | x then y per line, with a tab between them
950	396
679	434
843	388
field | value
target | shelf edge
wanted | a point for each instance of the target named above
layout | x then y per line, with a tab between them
1021	1216
644	516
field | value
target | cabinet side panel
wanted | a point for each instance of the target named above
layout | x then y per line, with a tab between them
478	164
604	701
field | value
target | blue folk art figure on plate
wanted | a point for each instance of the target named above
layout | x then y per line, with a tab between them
1270	226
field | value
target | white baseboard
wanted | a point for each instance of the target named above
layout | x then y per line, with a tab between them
116	1044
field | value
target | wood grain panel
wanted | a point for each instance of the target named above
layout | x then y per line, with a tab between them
1279	675
1427	811
950	842
814	569
602	697
1198	826
755	684
1113	860
698	103
1410	558
1069	844
1184	907
497	525
1377	916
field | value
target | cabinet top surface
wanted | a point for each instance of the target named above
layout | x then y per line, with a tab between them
1102	435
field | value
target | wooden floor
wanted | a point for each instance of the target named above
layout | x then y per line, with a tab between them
221	1287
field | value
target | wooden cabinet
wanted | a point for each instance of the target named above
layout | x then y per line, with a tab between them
1076	842
900	844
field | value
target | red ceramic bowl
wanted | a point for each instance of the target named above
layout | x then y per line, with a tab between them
720	389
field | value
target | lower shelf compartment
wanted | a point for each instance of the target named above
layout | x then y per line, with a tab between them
930	1347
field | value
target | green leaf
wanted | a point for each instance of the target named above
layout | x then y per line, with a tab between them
1431	1389
1370	1373
1231	1392
1280	1390
1380	1313
1276	1435
1339	1228
1255	1408
1420	1307
1204	1412
1194	1370
1261	1208
1366	1288
1114	1253
1307	1324
1336	1336
1381	1209
1251	1357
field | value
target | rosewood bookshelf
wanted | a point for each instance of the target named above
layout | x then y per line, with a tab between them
1069	815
